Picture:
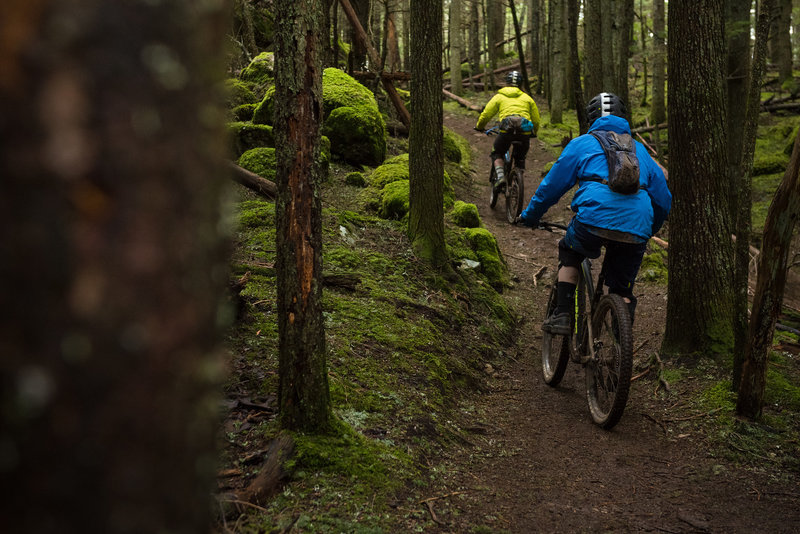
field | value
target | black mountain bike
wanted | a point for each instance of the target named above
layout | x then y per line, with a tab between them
514	190
601	341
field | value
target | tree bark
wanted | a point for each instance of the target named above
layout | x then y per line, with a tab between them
303	394
426	160
593	55
526	86
780	39
455	46
699	308
580	104
658	111
557	60
772	265
113	158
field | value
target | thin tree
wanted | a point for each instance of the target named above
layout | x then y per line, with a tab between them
577	88
780	44
426	160
558	59
534	45
518	39
474	41
593	54
455	46
658	110
700	295
113	264
772	267
304	398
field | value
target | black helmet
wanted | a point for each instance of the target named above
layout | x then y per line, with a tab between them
605	104
514	78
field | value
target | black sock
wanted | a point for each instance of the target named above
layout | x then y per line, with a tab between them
566	297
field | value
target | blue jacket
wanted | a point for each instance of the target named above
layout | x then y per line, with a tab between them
594	203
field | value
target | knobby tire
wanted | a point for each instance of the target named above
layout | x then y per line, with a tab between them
515	193
555	348
608	376
492	193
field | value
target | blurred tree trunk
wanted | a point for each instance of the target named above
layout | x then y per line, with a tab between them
593	55
606	44
304	397
526	86
580	103
737	19
535	45
772	267
557	60
455	46
406	35
426	160
643	48
623	32
114	265
391	49
494	10
780	39
358	52
474	40
658	110
700	306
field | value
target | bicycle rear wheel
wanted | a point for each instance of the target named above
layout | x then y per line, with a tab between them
515	193
608	375
555	348
492	193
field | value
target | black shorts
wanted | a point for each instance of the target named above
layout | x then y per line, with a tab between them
502	143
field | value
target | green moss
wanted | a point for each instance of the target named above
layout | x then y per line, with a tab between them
466	215
265	108
654	267
239	93
339	89
256	213
244	136
780	393
260	70
770	163
450	146
260	161
395	200
243	113
388	173
492	265
358	135
356	179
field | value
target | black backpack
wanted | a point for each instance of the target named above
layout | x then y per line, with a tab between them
623	165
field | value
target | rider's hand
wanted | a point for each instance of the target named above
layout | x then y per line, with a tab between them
477	129
517	221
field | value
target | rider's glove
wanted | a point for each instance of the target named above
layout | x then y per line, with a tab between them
518	220
478	129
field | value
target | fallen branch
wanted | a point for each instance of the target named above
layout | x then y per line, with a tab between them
466	103
438	497
253	181
640	375
650	128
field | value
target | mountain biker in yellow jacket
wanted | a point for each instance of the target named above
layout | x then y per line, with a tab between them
519	121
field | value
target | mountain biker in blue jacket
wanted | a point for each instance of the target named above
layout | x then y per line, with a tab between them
622	223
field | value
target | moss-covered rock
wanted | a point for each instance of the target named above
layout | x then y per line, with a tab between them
466	215
654	267
394	200
264	109
769	164
239	93
456	148
245	135
339	90
492	265
243	113
358	135
260	161
260	70
356	179
388	173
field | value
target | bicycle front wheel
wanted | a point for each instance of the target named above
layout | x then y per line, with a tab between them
492	193
555	348
515	196
608	374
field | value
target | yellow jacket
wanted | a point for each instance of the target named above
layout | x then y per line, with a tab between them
510	101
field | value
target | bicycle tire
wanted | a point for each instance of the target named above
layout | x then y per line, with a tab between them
555	348
515	193
608	375
492	192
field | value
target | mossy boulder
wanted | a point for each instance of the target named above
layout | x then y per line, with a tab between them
245	136
388	173
260	70
243	113
261	161
456	149
358	135
264	110
339	90
654	267
239	93
466	215
395	200
355	179
492	265
770	164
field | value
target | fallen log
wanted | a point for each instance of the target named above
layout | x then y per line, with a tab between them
253	181
646	129
466	103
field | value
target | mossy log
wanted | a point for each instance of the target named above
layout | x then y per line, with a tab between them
253	181
273	472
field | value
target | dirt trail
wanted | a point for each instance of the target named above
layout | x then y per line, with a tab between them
536	463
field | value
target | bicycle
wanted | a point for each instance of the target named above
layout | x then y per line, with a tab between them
601	341
515	184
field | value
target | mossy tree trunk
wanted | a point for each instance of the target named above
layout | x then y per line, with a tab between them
700	303
772	266
558	60
577	88
658	110
780	43
534	16
304	398
113	264
593	55
455	46
425	153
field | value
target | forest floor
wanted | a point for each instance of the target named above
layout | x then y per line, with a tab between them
534	462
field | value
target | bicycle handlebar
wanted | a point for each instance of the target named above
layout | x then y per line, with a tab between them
544	225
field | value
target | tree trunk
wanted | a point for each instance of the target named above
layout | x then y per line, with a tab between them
474	40
772	266
358	49
700	307
580	104
643	47
113	159
426	163
622	40
406	35
557	60
737	18
391	61
780	39
526	86
606	45
304	398
593	55
658	111
455	46
494	10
